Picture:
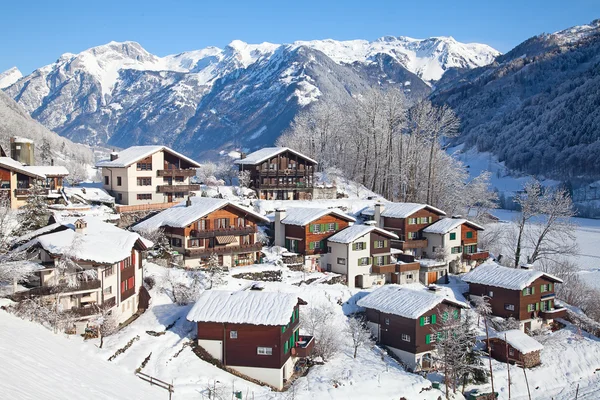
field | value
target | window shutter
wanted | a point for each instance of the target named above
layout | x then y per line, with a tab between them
456	314
427	339
312	245
537	306
385	243
371	260
287	243
533	290
422	321
524	292
336	226
549	287
433	318
354	246
323	227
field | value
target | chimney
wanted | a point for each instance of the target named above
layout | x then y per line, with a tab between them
377	217
52	161
280	214
242	155
114	155
80	226
188	202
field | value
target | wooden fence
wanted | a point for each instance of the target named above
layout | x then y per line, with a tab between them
153	381
119	208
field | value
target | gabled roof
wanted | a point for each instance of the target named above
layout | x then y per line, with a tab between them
101	242
244	307
493	274
302	216
405	302
180	216
265	153
14	165
351	233
36	171
519	340
136	153
401	210
445	225
55	227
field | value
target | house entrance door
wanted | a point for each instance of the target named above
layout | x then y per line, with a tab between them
431	277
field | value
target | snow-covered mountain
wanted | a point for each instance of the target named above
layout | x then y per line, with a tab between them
9	77
243	95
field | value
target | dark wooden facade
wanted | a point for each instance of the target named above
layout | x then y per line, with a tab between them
241	351
504	352
306	235
391	328
502	299
284	173
403	228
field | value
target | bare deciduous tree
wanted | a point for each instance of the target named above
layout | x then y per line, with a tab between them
320	323
358	332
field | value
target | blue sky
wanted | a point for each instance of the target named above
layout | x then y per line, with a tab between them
36	32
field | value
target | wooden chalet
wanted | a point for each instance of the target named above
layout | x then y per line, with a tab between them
524	294
406	321
279	173
202	226
516	347
256	333
304	231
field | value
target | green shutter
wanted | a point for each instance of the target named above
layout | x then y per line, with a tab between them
286	347
354	246
433	318
422	321
456	314
311	245
533	290
537	306
445	316
549	287
287	244
371	260
336	226
385	243
524	293
427	339
452	236
323	227
283	329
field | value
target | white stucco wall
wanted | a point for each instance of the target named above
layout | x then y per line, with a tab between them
271	376
214	347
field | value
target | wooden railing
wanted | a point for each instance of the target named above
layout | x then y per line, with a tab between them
233	230
297	185
244	248
177	188
483	255
119	208
304	346
176	172
384	269
61	288
413	244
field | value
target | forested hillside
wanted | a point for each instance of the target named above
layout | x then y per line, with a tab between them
537	107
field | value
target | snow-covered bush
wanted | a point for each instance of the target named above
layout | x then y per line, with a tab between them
320	323
358	331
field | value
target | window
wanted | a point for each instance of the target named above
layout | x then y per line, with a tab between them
380	260
120	196
331	227
453	236
176	242
387	321
426	320
118	181
222	223
530	307
341	261
528	291
315	245
509	307
511	351
359	246
491	293
144	196
546	288
379	244
316	228
412	235
106	180
179	195
405	337
264	351
246	239
409	276
469	234
329	249
144	166
108	290
194	243
233	334
178	179
241	222
203	224
144	181
329	267
424	220
412	221
456	250
109	271
429	339
363	261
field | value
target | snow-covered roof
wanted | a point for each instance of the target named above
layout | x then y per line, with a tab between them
520	341
265	153
100	242
351	233
180	216
401	210
244	307
302	216
405	302
136	153
90	194
493	274
38	232
14	165
48	170
445	225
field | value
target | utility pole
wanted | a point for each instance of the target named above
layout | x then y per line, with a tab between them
507	365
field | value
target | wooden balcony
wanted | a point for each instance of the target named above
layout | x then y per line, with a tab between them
177	188
291	186
54	289
284	172
482	255
26	192
304	346
384	269
176	172
412	266
557	312
412	244
243	248
233	230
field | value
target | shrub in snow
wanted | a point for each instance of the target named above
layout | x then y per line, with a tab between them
358	332
320	323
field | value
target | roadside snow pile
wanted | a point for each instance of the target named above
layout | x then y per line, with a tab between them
37	364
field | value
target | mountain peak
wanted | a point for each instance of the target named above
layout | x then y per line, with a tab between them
9	77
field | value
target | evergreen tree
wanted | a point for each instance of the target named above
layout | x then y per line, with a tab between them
34	214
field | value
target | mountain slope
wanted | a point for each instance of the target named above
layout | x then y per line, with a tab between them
9	77
241	96
536	107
